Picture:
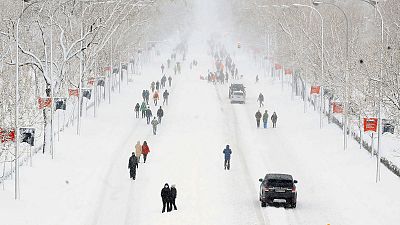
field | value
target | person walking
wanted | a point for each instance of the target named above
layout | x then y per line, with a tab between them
165	97
154	123
145	151
173	197
147	96
227	153
138	150
265	118
153	86
162	68
155	97
165	197
158	85
274	118
137	109
144	95
168	63
257	79
132	165
160	114
143	108
169	81
149	114
261	99
258	118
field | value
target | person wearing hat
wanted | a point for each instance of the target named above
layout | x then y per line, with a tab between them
165	196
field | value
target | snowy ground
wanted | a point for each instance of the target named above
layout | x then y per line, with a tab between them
335	186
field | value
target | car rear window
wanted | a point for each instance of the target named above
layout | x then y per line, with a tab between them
279	183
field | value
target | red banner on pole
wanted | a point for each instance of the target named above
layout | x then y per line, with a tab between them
7	135
315	89
278	66
91	81
288	71
370	124
337	107
73	92
107	68
44	103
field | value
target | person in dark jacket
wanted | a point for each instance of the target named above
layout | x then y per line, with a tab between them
258	118
158	85
149	114
137	109
274	118
147	96
165	196
132	165
160	114
152	86
169	81
143	108
265	118
144	95
162	68
154	123
173	196
227	153
165	97
261	99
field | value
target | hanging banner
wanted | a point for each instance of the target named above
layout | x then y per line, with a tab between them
27	135
288	71
370	124
87	93
73	92
91	81
107	68
44	102
278	66
61	103
7	134
315	89
337	107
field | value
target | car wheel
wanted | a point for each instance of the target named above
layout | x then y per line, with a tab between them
263	204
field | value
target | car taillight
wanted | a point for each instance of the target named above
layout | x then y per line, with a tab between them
294	189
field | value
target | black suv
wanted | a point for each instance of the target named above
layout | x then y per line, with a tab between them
278	186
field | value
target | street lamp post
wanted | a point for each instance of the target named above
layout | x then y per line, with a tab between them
378	160
345	108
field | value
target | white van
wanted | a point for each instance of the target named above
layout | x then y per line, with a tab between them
238	96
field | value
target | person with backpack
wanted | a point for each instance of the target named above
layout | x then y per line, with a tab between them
258	118
138	150
149	114
173	197
155	98
165	97
143	108
137	109
154	123
132	165
160	114
265	118
145	151
261	99
227	153
274	118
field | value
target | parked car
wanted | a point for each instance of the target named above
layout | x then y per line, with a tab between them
238	96
278	186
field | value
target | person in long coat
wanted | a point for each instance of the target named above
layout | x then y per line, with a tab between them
274	118
145	150
132	165
138	150
265	118
173	197
258	118
137	108
165	197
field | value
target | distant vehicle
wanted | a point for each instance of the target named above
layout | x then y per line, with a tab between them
278	186
237	87
238	96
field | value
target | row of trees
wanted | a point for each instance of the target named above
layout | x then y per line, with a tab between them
295	41
63	43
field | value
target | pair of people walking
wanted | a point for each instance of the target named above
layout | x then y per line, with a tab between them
168	197
134	160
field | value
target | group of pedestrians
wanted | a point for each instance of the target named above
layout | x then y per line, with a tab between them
168	196
134	160
264	116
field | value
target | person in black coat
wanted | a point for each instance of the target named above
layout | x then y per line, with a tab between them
160	114
137	109
165	196
173	196
149	114
132	165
